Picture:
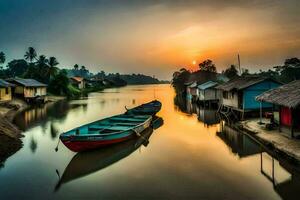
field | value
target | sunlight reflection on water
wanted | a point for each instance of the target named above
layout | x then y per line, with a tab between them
184	159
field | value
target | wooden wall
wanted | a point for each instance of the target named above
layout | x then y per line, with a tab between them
5	94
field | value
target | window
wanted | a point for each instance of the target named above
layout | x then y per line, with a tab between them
228	95
225	95
6	90
232	95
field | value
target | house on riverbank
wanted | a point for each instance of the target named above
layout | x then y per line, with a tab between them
5	91
78	82
29	89
201	77
191	91
207	92
287	97
238	95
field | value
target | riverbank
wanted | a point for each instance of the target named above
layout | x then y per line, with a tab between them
10	109
273	139
7	112
10	134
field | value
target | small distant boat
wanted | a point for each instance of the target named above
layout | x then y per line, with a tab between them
150	108
105	132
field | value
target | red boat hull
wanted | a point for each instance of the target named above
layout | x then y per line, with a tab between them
78	146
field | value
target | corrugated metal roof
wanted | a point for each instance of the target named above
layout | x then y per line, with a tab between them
77	78
286	95
242	83
28	82
5	84
208	84
193	85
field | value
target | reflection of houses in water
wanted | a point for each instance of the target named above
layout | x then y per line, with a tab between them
208	116
27	118
191	108
238	142
35	115
205	115
284	177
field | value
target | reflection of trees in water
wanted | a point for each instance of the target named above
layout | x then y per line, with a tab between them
180	103
53	131
33	145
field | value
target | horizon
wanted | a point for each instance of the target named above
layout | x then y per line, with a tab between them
152	38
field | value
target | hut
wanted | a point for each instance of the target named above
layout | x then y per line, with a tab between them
238	95
78	82
287	98
207	92
5	91
28	89
201	77
191	91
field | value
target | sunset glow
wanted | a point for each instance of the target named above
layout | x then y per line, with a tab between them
151	37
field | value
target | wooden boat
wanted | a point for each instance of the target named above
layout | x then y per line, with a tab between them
86	163
105	132
150	108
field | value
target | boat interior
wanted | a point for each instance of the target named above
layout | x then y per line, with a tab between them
110	125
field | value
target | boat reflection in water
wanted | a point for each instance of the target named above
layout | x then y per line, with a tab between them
85	163
283	175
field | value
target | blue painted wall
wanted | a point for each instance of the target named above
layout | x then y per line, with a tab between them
250	93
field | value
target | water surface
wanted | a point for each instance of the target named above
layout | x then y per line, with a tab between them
185	158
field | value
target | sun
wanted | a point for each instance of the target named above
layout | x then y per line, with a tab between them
194	62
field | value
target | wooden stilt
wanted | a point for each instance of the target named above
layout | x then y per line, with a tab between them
260	113
292	124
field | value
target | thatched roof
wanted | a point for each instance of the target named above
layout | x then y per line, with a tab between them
241	83
286	95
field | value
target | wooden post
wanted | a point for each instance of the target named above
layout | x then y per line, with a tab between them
292	123
273	173
279	126
260	120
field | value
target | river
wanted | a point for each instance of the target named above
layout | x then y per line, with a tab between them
186	158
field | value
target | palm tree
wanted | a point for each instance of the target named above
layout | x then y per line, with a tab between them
42	61
76	67
30	54
2	59
82	71
52	63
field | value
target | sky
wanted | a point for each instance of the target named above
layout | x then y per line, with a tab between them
152	37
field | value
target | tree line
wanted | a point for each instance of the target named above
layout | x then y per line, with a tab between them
40	68
45	70
285	73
